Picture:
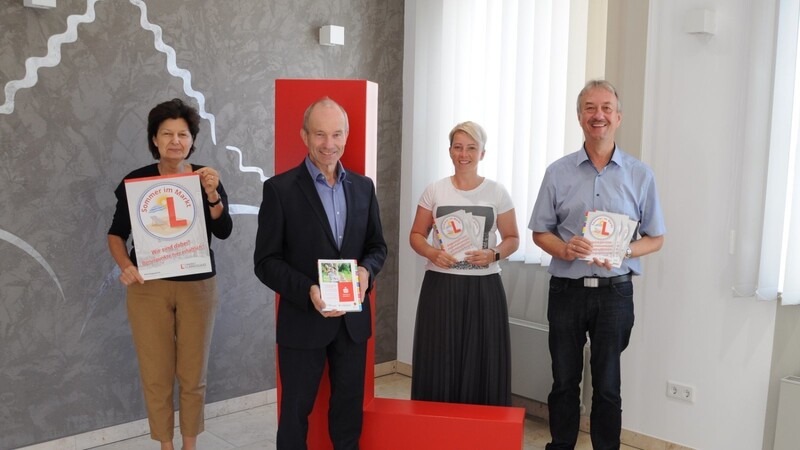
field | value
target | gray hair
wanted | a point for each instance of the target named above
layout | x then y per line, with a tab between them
602	84
473	130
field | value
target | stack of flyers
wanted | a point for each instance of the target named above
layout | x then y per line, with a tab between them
339	285
459	232
610	234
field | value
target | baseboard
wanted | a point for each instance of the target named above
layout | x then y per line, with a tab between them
404	368
386	368
138	428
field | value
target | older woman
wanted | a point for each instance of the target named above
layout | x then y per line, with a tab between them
461	339
172	319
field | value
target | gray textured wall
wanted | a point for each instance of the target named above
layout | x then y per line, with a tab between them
67	363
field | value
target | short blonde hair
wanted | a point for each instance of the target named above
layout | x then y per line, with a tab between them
473	130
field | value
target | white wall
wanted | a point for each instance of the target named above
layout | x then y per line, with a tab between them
706	102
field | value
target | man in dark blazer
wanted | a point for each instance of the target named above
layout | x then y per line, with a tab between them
319	210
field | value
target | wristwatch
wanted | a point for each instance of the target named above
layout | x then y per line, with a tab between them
496	255
628	253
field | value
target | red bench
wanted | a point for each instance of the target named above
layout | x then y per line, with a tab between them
392	424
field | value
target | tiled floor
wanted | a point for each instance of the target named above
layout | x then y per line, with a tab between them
255	428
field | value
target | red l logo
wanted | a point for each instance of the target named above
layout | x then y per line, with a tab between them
173	220
603	231
454	226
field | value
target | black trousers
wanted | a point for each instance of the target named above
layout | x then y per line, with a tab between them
301	372
606	314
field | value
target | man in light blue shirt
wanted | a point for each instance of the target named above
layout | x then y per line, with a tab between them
592	297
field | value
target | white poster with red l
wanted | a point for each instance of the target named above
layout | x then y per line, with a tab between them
168	225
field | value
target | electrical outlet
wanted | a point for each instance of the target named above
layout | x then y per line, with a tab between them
680	391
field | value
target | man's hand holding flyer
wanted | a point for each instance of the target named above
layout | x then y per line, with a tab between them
339	286
610	234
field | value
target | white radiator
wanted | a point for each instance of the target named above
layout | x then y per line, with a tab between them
531	376
787	433
530	360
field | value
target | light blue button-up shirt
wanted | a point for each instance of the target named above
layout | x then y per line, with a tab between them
332	198
572	186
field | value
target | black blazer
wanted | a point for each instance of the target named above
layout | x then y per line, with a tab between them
293	232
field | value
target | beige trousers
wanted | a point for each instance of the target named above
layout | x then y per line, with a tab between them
172	323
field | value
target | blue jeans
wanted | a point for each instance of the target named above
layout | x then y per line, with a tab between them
606	314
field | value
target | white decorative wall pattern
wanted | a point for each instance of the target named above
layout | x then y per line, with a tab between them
78	82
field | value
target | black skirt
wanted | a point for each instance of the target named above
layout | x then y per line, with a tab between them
461	341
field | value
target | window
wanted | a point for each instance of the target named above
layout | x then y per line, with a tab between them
500	63
780	244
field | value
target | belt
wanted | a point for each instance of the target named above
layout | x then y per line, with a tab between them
595	282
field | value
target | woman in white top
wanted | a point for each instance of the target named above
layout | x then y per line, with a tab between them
461	339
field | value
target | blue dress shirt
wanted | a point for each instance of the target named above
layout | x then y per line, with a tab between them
332	198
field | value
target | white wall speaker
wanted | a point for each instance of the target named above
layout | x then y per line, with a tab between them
329	35
44	4
700	21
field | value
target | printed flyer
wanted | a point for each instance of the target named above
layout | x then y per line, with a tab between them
610	234
339	285
168	226
459	232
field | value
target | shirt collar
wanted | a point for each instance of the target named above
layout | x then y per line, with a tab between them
316	173
616	157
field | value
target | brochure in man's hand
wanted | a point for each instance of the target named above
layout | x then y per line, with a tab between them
339	285
459	232
610	233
